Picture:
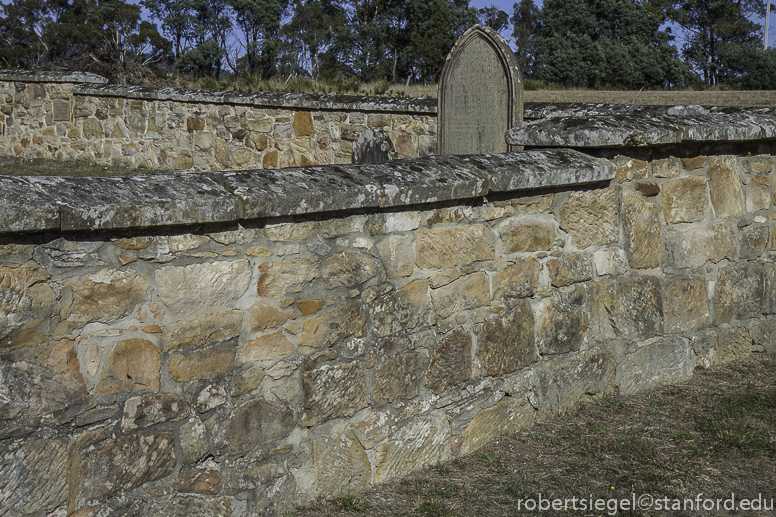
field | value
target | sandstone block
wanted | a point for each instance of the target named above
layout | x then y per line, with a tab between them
508	416
754	242
291	231
213	396
148	410
397	378
560	324
203	363
449	247
26	302
202	330
286	276
203	480
107	296
422	442
657	362
126	463
758	165
253	424
757	198
246	381
764	335
739	293
643	231
769	288
685	304
34	477
725	186
92	128
333	391
668	168
527	234
451	362
193	441
398	255
271	347
347	268
732	344
592	217
611	261
195	124
570	269
308	307
340	464
630	168
263	316
189	506
468	292
133	365
691	164
685	200
444	277
630	307
507	344
399	310
303	124
520	280
331	328
200	287
696	246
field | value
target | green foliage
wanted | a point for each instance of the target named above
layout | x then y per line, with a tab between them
596	43
525	16
493	17
749	67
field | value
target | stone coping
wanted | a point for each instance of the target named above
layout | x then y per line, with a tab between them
600	126
264	99
34	204
33	76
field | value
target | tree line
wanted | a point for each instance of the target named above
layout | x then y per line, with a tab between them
587	43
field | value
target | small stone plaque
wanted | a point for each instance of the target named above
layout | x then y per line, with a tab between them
61	110
373	146
480	94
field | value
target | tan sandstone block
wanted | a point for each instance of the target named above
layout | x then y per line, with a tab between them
332	328
202	330
508	416
449	247
347	269
421	442
132	365
507	344
199	287
592	217
696	246
106	296
685	304
263	316
451	362
468	292
757	198
643	231
685	200
630	168
398	378
340	464
286	276
202	363
725	186
265	348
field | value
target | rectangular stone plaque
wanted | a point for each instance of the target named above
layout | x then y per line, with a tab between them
61	110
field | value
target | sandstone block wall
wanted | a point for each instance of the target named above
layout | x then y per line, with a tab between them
199	130
245	367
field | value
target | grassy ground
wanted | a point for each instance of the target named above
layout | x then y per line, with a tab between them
74	168
715	435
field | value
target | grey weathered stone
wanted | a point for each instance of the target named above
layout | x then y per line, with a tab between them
347	268
519	280
769	288
451	362
754	242
341	465
148	410
656	362
202	330
508	416
27	302
199	287
423	441
570	269
253	424
560	324
507	344
206	362
685	304
373	146
399	310
398	377
34	476
739	293
696	246
187	505
467	292
332	328
474	114
333	391
629	307
193	441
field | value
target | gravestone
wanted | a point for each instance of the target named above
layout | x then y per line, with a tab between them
480	94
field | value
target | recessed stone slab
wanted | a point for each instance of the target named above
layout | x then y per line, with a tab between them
656	362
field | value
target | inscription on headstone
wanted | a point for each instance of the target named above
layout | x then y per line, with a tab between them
480	94
373	146
61	110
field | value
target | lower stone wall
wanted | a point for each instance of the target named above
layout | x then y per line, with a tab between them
198	130
243	369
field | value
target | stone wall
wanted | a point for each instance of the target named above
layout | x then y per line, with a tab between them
222	356
52	116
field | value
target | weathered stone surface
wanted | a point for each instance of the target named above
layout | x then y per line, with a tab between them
303	124
348	268
263	316
133	365
769	288
246	381
732	344
333	391
725	186
253	424
696	246
424	441
193	441
648	188
629	307
764	335
739	293
398	377
398	255
508	416
570	269
611	261
685	200
451	362
265	348
691	164
643	231
107	296
444	277
656	362
27	301
373	146
468	292
685	304
449	247
34	476
630	168
704	345
203	480
333	327
758	165
188	506
560	324
592	217
40	380
341	465
667	168
148	410
527	234
399	310
308	307
520	280
754	241
202	330
507	344
199	287
213	396
291	231
126	462
563	383
286	276
758	197
203	363
279	498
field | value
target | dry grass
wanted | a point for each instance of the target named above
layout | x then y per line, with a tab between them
714	435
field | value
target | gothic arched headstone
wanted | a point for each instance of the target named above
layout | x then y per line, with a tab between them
480	94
